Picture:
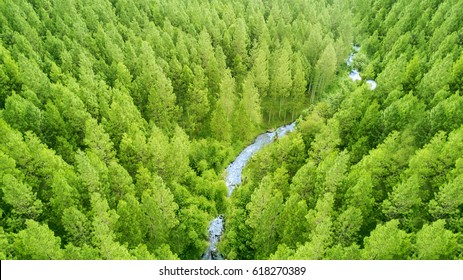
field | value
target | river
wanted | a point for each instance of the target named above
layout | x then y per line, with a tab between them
233	179
235	169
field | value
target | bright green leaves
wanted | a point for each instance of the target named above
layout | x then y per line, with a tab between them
123	117
264	211
326	141
407	112
197	104
130	220
248	117
103	226
293	229
437	78
325	70
189	238
390	158
434	242
21	198
154	92
347	226
222	116
4	246
9	75
159	211
77	226
161	106
447	202
298	97
98	141
37	242
99	103
387	242
320	223
260	69
22	114
404	203
280	80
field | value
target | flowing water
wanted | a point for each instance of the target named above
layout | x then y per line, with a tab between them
355	74
233	179
372	84
235	169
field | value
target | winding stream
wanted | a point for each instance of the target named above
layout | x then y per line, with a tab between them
235	169
233	179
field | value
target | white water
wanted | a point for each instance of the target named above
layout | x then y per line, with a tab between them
355	74
233	179
215	232
235	169
372	84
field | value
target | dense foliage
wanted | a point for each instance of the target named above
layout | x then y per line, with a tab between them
369	174
118	117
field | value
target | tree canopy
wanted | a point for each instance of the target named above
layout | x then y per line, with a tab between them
118	118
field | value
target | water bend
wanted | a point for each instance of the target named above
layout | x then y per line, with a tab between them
234	178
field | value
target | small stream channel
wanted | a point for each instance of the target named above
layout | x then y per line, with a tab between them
235	169
233	179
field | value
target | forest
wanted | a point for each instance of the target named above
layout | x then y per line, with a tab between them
118	119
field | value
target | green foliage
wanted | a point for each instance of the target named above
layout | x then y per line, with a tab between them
76	225
320	223
37	242
434	242
387	242
379	170
22	114
158	208
21	198
264	217
117	120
